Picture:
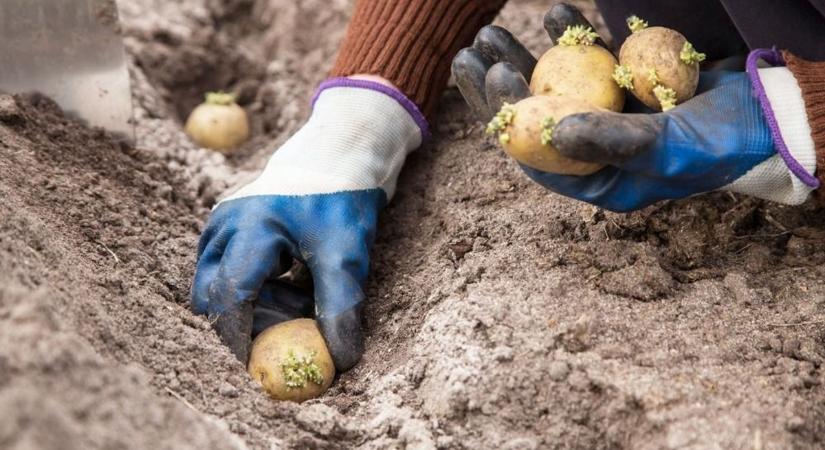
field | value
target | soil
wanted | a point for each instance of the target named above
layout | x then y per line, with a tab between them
499	315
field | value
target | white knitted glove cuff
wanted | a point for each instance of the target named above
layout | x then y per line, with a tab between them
772	179
356	139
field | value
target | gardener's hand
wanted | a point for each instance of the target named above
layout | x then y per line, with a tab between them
497	68
317	201
718	140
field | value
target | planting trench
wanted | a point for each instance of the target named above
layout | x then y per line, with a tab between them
498	316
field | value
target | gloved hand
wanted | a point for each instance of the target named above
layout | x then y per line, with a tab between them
316	201
720	139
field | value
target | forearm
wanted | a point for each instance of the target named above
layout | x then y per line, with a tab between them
411	43
792	100
811	79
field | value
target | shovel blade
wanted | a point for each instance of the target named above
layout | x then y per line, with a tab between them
72	52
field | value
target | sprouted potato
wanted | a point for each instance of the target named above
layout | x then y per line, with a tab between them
579	69
525	131
218	123
658	65
291	361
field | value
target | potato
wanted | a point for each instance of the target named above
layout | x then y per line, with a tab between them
658	65
219	123
525	131
291	361
583	72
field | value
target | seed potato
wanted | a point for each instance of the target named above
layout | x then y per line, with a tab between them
526	128
218	123
658	57
291	361
583	72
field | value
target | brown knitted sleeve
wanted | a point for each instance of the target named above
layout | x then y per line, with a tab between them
811	78
411	43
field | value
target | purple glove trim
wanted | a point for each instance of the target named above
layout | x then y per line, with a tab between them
774	58
411	107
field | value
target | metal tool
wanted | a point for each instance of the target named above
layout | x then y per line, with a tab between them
72	52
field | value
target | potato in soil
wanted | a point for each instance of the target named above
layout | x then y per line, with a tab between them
291	361
583	72
525	132
654	57
218	123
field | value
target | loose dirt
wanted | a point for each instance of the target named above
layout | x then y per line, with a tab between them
499	315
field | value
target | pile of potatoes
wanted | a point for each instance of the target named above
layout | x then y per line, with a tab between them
656	64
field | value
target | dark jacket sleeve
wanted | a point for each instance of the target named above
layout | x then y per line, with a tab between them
723	28
795	25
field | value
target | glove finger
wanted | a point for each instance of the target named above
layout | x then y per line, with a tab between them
338	296
251	257
278	302
339	276
235	329
210	251
211	246
469	68
505	83
606	137
209	262
562	16
499	45
344	337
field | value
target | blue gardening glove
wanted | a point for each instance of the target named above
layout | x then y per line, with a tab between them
720	139
316	201
746	133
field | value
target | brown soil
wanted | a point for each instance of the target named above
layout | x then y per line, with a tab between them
499	316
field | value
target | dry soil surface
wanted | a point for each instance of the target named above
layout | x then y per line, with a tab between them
500	316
